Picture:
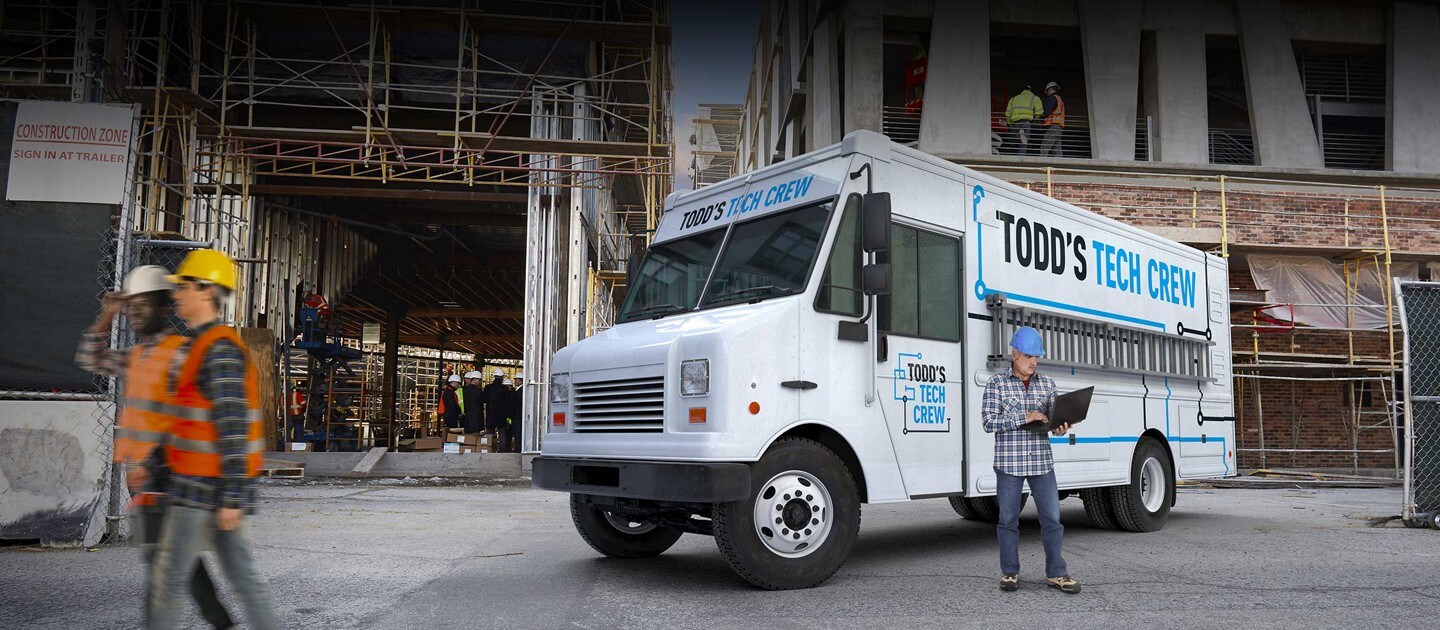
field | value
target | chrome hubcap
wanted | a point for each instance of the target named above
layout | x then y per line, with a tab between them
792	514
1152	485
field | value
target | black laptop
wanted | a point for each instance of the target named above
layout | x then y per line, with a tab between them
1070	407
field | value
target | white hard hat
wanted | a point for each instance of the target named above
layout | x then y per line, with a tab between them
454	378
519	375
1052	84
145	280
507	382
472	374
499	372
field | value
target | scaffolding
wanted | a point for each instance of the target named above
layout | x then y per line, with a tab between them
564	101
1365	372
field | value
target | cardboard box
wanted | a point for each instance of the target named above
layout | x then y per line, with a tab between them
296	447
474	439
452	447
422	444
469	448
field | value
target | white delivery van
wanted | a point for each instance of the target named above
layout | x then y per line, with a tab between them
817	335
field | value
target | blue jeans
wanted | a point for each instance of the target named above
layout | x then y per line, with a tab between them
185	533
1047	503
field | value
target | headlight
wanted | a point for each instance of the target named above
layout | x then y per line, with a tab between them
695	377
559	388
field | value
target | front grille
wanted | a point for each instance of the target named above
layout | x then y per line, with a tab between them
629	405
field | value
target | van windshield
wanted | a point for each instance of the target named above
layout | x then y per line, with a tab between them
764	258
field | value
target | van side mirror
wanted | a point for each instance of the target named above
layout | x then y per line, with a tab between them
875	222
875	279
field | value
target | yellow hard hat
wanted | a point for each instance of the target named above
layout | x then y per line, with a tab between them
208	265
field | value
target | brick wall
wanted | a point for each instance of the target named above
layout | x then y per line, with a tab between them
1307	414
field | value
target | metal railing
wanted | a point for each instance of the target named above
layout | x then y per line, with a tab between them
1353	150
1232	146
1348	78
1072	140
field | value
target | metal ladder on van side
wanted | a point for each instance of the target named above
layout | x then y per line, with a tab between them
1079	342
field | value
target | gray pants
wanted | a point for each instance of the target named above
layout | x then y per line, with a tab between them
188	531
1051	145
1020	131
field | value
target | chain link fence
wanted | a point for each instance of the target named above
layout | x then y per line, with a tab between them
1420	319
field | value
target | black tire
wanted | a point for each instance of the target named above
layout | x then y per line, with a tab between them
1098	508
962	506
985	509
1415	522
650	540
739	536
1128	500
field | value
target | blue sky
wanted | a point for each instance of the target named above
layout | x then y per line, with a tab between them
711	45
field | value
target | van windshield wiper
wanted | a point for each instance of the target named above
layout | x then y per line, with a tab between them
658	310
748	290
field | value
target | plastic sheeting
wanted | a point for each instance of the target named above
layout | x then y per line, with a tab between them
1315	280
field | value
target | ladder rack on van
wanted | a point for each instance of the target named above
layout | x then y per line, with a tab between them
1079	342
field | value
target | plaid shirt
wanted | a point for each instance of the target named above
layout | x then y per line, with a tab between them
222	381
1019	452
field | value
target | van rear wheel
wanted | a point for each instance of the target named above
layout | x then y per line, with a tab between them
1143	505
985	509
618	536
1098	508
799	522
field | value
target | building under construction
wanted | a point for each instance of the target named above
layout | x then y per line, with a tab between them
1292	138
450	186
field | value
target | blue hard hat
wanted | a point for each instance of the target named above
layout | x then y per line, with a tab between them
1027	340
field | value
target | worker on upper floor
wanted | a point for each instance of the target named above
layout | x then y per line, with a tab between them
217	443
471	399
1022	109
1054	122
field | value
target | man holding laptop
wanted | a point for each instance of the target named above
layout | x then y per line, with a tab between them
1016	407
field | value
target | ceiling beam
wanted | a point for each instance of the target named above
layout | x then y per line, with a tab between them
401	194
461	338
443	313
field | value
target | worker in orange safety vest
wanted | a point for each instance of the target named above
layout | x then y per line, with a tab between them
142	425
215	448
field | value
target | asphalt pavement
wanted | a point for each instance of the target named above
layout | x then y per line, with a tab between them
397	554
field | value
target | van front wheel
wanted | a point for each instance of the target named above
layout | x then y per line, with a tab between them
799	522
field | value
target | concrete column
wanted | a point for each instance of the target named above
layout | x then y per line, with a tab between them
1110	37
1179	115
864	67
390	371
1279	118
956	116
824	101
1412	128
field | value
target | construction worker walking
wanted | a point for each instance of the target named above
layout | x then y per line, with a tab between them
140	432
1054	122
1019	112
216	445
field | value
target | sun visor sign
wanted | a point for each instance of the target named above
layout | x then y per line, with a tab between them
784	190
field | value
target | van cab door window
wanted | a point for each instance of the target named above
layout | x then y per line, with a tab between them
840	290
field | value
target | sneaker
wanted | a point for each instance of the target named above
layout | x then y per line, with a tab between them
1010	582
1064	583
